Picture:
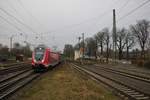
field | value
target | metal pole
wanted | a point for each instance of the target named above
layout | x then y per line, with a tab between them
11	45
114	34
83	44
79	42
79	49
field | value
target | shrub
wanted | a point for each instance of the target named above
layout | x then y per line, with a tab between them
133	61
140	62
147	64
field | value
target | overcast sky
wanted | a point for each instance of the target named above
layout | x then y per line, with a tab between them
59	22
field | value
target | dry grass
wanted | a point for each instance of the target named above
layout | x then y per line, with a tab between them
64	83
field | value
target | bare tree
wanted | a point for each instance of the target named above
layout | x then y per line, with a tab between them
148	44
68	51
107	42
100	40
148	49
91	47
1	46
121	41
140	31
130	42
4	50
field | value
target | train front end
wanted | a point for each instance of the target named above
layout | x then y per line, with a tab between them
38	59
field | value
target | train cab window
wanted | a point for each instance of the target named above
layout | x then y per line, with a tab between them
39	54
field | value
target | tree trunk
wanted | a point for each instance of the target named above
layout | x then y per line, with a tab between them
101	49
143	53
120	54
127	53
107	55
120	49
95	55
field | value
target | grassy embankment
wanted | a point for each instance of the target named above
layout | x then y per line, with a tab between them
64	83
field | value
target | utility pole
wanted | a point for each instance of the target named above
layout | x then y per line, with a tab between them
79	38
96	49
114	35
11	43
83	44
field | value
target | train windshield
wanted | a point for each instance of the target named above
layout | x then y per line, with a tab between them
39	54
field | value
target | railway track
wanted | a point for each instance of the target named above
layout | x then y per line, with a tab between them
14	77
11	84
137	76
14	68
128	70
124	89
13	64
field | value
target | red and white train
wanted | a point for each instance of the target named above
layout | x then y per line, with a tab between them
44	58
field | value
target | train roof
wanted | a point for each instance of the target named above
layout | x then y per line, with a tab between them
46	47
42	45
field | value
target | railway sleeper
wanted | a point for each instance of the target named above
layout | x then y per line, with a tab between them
131	91
17	86
124	90
10	83
137	95
11	75
143	98
140	97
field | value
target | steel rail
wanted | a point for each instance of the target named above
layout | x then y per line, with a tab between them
14	68
126	91
127	74
12	84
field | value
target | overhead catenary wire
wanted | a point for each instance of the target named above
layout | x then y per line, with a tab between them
17	20
73	25
86	21
10	23
130	12
133	10
13	8
29	13
125	4
114	3
5	30
80	23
